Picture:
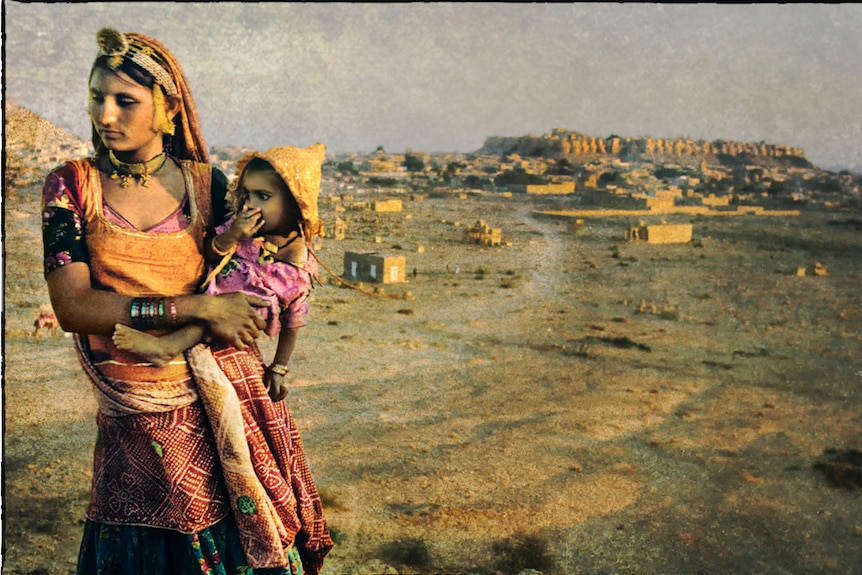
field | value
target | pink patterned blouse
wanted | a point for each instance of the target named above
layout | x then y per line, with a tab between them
253	271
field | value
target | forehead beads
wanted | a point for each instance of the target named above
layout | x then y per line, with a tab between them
117	47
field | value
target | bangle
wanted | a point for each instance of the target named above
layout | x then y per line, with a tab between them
172	309
216	250
149	312
135	312
279	368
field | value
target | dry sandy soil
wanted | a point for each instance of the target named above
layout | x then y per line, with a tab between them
572	404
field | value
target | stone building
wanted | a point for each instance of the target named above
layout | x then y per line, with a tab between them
389	206
482	233
375	267
660	234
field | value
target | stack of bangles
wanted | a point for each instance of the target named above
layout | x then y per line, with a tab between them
153	312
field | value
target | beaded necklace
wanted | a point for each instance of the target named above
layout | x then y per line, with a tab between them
125	172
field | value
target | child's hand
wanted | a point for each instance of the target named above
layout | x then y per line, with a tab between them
275	381
247	223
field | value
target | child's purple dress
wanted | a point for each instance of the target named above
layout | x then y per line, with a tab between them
253	271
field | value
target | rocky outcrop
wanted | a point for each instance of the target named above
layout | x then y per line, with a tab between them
34	146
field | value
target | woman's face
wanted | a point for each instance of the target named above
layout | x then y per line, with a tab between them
123	114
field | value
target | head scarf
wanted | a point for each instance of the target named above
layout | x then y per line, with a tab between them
187	142
300	168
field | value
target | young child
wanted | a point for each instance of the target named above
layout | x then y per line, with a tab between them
275	216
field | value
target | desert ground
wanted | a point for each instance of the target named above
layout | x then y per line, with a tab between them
567	403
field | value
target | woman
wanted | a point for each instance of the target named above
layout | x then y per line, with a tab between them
174	491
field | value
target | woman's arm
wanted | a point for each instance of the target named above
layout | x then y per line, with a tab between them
80	308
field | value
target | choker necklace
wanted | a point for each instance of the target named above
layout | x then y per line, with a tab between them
125	172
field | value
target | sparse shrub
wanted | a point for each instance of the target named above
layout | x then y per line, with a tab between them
477	182
580	350
518	177
382	181
413	162
758	352
330	500
842	468
337	535
668	314
510	279
522	552
409	552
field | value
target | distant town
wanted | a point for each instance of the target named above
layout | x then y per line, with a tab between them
570	170
561	170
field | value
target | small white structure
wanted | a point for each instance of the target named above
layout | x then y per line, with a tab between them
375	267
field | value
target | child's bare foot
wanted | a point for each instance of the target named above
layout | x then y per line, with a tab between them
149	347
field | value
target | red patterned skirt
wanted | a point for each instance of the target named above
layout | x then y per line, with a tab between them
165	471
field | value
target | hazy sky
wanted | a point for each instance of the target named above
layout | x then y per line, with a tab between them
444	76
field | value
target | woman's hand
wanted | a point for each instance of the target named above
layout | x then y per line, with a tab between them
234	319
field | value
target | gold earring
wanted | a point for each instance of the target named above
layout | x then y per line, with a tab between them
166	125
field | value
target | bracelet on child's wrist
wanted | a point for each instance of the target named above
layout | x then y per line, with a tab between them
279	369
216	249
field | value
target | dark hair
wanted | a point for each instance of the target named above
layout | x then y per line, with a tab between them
128	67
258	165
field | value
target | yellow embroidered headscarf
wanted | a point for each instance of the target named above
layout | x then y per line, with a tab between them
300	168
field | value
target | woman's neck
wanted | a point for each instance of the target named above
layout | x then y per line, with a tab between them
140	155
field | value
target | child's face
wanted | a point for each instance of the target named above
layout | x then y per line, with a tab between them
268	192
